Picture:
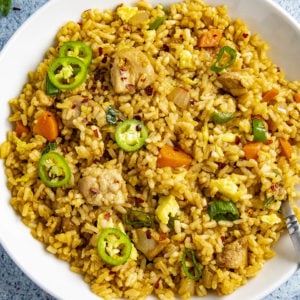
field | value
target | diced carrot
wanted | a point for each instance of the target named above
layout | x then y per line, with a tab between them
21	128
297	97
251	149
46	126
173	157
269	95
210	38
286	147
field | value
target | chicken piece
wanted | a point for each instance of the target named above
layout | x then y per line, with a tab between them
101	186
234	255
131	70
234	83
150	242
73	112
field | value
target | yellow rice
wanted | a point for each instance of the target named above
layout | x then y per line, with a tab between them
69	226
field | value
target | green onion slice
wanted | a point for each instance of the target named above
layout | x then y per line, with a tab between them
223	210
217	66
190	265
220	117
259	130
138	218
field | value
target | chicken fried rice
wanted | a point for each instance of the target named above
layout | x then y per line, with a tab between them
152	149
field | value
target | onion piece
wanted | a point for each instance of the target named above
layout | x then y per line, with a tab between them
180	96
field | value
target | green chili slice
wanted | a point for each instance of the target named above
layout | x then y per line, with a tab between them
220	117
5	6
76	49
259	130
66	73
114	246
54	170
190	265
131	135
137	218
217	66
157	22
223	210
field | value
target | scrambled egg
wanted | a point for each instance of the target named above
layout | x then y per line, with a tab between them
126	13
227	187
186	60
167	205
271	219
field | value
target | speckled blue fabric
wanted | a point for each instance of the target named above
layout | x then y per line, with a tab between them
14	284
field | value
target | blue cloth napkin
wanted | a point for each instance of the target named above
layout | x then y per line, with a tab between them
14	284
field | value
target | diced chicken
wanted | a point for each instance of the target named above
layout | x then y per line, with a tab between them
234	83
131	70
78	109
73	111
101	186
150	242
234	255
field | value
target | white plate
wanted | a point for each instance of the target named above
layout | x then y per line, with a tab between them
23	53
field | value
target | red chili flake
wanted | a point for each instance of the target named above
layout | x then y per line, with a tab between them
148	234
107	216
94	191
245	35
278	69
73	106
156	284
163	236
96	133
16	8
139	201
166	48
100	51
130	86
269	142
126	28
149	90
221	165
237	140
275	187
223	238
112	273
85	100
104	59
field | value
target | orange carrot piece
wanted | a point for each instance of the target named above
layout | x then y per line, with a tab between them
20	129
173	157
251	149
47	126
210	38
297	97
286	148
269	95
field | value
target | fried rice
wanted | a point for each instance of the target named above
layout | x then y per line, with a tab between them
175	100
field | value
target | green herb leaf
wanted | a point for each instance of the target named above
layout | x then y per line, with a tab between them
112	116
157	22
50	147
